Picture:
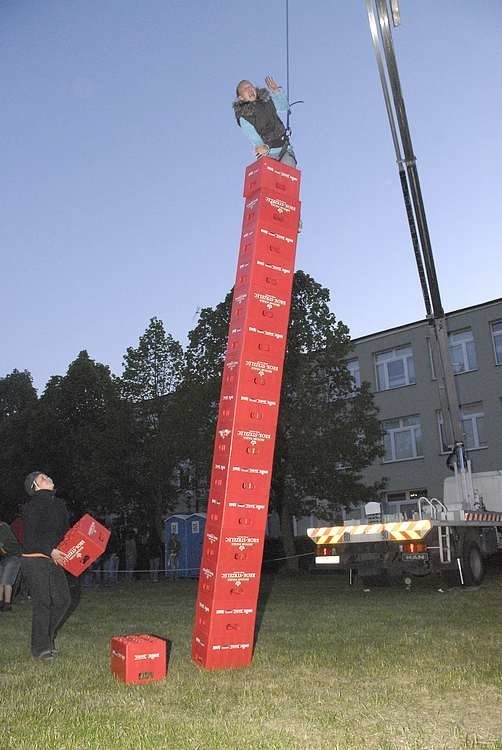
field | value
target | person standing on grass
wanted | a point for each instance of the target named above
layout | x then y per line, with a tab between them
10	562
173	555
111	561
130	553
45	524
154	547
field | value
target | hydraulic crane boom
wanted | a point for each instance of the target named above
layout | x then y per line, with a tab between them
378	16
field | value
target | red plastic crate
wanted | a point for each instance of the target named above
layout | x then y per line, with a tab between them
270	174
138	659
242	482
260	347
246	517
249	414
231	548
245	463
268	245
225	629
253	377
262	274
261	310
217	656
255	448
265	209
231	587
83	544
210	606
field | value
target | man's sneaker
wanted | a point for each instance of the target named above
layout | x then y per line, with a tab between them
46	656
7	608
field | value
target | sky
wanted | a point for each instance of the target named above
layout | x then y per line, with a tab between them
122	165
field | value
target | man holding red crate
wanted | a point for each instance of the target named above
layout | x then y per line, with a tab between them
45	524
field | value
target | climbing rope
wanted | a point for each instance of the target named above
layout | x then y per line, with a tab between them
300	101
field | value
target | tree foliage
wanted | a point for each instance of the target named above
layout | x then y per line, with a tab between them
154	368
152	374
79	435
328	429
18	401
113	443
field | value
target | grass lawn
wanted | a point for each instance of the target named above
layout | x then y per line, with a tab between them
334	667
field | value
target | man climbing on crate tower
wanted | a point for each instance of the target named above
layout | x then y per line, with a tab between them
256	111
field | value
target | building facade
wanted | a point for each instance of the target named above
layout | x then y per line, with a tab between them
402	369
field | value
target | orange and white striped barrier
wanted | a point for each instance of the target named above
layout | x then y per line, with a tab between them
396	531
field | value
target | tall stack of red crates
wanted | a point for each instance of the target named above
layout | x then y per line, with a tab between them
248	410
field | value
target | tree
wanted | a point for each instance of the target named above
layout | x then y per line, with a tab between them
152	373
199	392
154	369
80	434
18	401
327	430
17	394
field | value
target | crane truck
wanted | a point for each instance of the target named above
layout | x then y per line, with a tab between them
457	533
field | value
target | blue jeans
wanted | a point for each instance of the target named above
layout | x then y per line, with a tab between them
9	568
111	567
288	158
173	564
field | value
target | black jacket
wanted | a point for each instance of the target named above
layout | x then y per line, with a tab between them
263	117
45	522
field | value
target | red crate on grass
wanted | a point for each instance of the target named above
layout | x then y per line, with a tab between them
221	656
83	544
138	659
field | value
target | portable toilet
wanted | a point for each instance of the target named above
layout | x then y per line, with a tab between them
189	528
196	523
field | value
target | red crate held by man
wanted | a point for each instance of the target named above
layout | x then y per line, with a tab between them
83	544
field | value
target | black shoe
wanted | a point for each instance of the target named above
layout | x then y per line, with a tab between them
7	608
45	656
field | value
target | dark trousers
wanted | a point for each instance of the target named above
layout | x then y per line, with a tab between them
50	600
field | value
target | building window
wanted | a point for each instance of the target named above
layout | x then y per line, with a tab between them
462	351
353	368
473	424
473	421
195	527
395	368
497	341
402	438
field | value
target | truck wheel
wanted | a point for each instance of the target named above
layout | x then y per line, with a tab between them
472	565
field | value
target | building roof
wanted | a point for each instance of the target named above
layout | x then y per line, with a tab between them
421	322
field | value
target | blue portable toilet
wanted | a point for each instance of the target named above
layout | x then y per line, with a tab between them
189	529
196	523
